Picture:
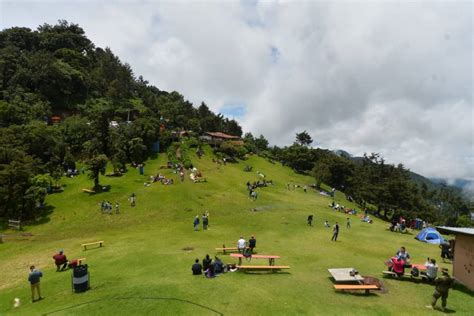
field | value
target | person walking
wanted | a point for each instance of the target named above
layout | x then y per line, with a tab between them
34	279
335	232
196	222
442	286
348	223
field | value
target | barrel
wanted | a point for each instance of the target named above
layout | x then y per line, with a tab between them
80	278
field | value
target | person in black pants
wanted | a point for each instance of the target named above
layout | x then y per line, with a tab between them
196	268
310	220
335	232
252	243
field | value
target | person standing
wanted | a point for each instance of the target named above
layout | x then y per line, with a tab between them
348	223
34	279
196	222
117	208
310	220
335	232
252	243
205	221
133	199
241	244
442	286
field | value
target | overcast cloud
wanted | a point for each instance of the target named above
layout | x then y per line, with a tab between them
388	77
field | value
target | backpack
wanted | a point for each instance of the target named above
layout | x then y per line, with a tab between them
247	254
415	272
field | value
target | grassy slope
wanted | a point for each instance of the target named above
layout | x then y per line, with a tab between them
143	261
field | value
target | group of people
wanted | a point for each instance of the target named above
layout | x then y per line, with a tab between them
35	275
205	221
161	178
210	268
401	260
106	207
242	244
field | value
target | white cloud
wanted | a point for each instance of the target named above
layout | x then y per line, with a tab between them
394	78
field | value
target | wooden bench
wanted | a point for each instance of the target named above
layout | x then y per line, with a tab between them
88	191
391	273
93	243
359	287
272	268
225	249
14	224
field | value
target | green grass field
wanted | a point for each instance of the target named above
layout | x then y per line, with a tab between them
143	269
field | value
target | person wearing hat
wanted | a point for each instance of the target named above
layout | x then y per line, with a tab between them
442	286
60	259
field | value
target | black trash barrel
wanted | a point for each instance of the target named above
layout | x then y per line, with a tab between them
80	278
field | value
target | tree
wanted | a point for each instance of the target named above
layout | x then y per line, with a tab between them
96	166
261	143
303	139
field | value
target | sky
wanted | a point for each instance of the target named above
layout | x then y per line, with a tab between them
364	76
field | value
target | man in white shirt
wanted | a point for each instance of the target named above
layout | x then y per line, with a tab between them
431	269
241	244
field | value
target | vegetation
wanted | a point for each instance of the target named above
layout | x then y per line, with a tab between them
145	264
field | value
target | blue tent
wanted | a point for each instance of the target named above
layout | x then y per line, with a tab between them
430	235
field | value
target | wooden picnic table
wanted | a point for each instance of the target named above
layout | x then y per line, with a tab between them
271	258
343	275
420	267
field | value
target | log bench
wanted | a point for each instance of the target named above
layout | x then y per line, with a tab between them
393	274
88	191
93	243
358	287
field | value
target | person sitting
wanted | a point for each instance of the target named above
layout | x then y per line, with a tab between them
398	266
60	259
210	272
206	262
218	266
431	269
403	255
196	268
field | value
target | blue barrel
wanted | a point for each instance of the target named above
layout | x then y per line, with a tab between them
80	278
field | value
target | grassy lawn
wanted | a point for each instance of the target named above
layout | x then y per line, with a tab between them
143	269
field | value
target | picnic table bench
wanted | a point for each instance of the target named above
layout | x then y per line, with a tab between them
88	191
93	243
358	287
271	258
272	268
225	249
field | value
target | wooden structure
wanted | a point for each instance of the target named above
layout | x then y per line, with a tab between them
358	287
270	268
216	138
93	243
14	224
463	261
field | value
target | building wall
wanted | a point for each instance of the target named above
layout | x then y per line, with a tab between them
463	269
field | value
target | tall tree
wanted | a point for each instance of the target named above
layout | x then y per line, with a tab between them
303	138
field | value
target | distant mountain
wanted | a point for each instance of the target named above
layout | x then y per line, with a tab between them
463	184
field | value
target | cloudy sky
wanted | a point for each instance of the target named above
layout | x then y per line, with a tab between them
364	76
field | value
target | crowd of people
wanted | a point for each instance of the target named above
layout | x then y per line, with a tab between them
211	268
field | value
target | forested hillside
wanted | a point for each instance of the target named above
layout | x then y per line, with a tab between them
63	100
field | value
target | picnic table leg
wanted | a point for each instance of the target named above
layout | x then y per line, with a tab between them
240	261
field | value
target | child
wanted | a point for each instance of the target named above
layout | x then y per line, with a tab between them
326	224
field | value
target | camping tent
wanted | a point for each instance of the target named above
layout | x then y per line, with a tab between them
430	235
